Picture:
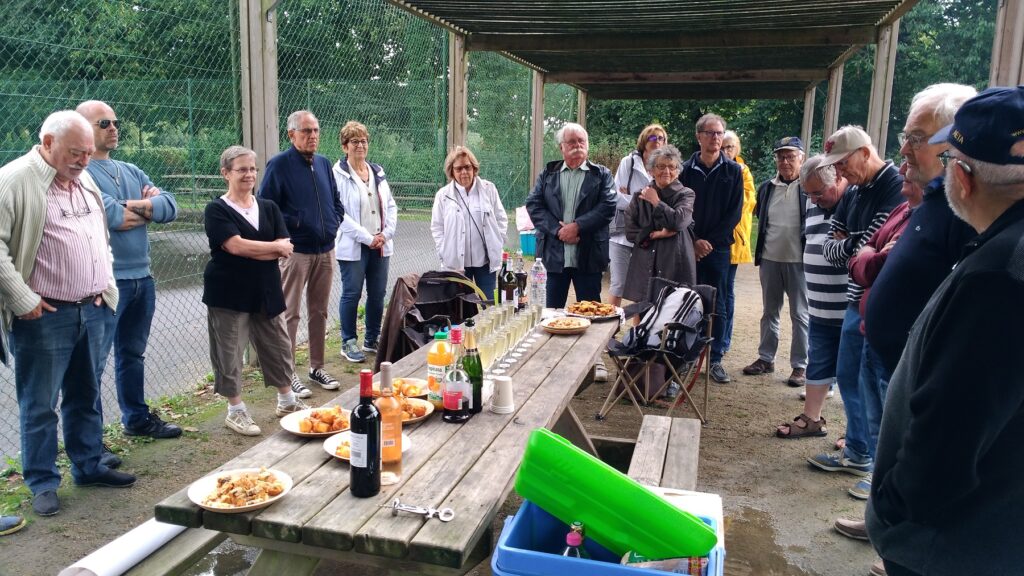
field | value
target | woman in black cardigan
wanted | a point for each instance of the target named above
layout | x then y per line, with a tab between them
242	290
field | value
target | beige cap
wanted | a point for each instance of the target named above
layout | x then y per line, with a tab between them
843	142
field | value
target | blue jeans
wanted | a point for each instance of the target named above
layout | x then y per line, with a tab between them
371	269
851	349
56	356
483	278
730	308
874	382
823	352
713	270
128	332
586	284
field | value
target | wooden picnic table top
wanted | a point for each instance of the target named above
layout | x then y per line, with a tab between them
469	468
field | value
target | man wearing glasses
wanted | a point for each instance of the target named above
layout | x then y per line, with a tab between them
57	291
718	185
131	202
781	212
301	183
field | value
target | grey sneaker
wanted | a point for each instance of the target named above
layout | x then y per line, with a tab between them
718	373
242	423
839	463
370	346
350	350
862	489
325	380
299	388
286	409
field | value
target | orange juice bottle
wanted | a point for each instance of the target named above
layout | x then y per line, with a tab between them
439	360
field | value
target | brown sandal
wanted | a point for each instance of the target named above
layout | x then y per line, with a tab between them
810	429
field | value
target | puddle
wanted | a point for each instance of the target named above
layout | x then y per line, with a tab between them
228	559
751	549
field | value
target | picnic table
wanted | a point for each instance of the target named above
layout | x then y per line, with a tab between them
469	468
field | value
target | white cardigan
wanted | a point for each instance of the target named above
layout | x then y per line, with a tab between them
448	225
351	234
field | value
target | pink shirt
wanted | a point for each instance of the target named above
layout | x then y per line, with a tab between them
71	262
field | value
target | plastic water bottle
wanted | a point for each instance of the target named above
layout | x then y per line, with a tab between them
538	283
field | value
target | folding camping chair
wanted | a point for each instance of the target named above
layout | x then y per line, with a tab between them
673	341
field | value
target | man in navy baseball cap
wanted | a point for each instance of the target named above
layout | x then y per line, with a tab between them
989	127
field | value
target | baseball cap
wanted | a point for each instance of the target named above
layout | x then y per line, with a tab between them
843	142
789	143
989	127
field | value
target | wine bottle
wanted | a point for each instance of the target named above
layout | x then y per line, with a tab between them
473	367
391	428
364	461
507	284
457	388
521	279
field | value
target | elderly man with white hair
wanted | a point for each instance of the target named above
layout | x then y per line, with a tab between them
57	291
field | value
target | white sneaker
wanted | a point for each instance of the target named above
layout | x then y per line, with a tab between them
286	409
242	423
325	380
831	393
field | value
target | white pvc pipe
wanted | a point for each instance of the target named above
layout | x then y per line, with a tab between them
117	557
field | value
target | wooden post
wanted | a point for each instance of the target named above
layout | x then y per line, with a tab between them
581	108
258	82
881	85
835	93
457	107
808	123
1007	68
537	125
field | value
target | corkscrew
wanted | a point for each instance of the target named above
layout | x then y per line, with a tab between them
443	514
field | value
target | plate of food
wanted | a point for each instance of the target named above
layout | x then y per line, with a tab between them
240	490
594	310
316	422
565	325
408	387
339	445
415	410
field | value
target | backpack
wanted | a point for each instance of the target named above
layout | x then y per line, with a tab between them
675	305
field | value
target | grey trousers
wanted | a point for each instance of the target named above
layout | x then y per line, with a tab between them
780	279
230	332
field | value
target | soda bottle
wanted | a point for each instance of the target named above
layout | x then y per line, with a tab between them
391	428
457	387
439	359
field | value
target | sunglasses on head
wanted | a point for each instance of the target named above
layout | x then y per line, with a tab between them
105	123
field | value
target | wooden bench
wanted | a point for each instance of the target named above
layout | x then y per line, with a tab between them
666	452
179	554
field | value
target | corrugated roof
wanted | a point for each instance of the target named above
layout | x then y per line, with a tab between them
654	48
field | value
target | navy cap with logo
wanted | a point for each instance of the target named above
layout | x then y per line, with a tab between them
989	127
789	143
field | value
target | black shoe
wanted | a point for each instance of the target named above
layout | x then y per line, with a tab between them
155	428
370	346
46	503
718	373
109	459
110	479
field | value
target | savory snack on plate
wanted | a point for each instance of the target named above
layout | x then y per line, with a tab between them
591	308
411	410
323	420
565	323
344	449
244	489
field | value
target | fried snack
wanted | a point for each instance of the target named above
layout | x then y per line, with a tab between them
565	323
591	308
344	449
412	390
412	410
324	420
245	489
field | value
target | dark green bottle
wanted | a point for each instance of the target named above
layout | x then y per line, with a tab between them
472	366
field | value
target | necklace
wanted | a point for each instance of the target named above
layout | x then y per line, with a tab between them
245	210
115	177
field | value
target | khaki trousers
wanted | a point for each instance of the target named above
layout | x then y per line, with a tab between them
312	274
230	332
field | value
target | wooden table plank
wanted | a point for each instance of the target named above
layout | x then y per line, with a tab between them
648	462
682	454
477	498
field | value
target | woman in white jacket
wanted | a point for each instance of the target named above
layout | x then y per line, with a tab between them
468	221
364	243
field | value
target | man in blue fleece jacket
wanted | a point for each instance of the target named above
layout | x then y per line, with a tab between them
301	183
131	203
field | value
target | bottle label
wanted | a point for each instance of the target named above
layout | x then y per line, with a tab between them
358	450
435	378
389	435
452	400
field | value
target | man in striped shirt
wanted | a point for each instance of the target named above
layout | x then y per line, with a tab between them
57	292
874	192
826	296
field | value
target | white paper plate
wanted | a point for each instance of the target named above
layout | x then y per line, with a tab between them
205	486
331	444
546	325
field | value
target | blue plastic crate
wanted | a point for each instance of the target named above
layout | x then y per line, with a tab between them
532	541
528	243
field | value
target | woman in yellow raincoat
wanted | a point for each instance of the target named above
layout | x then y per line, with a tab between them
741	234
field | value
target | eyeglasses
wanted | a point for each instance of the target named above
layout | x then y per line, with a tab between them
946	157
786	157
729	147
245	170
308	131
466	168
846	159
664	167
105	123
85	210
914	140
656	138
712	133
362	142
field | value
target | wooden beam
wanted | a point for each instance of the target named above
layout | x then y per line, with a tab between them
835	93
258	82
427	16
808	124
457	89
827	36
846	55
691	92
881	86
536	125
776	75
1007	67
898	12
581	108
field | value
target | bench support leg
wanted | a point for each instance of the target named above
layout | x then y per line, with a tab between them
570	427
275	563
